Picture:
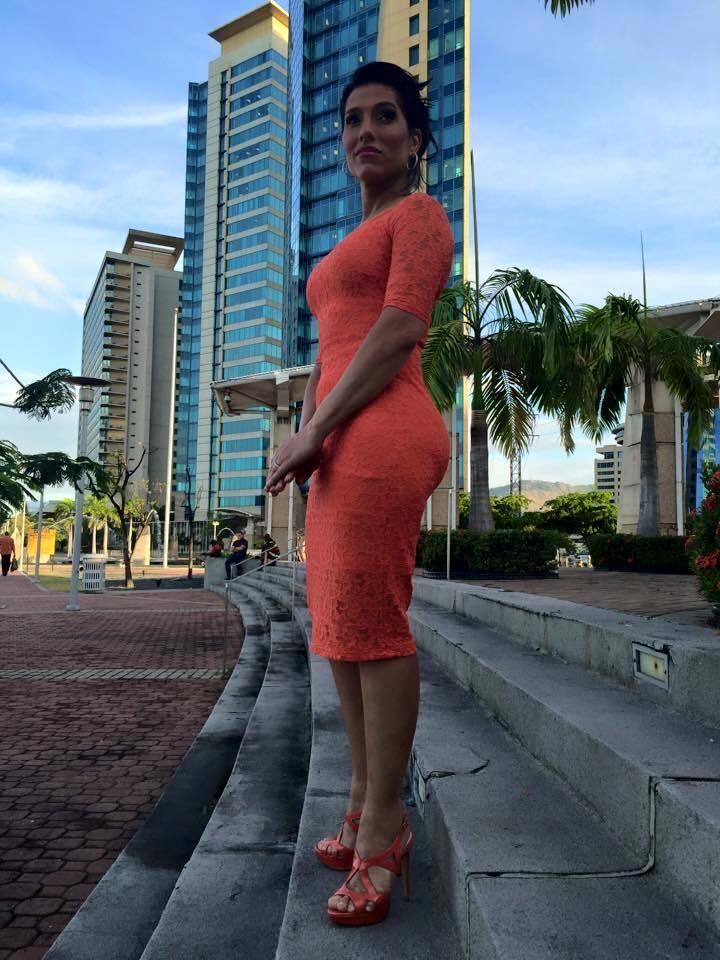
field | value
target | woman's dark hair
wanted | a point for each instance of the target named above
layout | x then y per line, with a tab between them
409	93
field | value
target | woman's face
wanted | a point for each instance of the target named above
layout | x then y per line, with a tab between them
376	138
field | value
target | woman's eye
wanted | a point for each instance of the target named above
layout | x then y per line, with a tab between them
387	115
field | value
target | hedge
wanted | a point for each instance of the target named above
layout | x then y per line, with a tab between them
508	553
627	551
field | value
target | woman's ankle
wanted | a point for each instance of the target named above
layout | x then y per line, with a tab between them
357	798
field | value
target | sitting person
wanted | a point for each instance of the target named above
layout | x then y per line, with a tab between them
215	549
237	556
270	551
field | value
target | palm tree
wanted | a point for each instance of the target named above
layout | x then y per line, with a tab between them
65	520
563	7
101	513
511	335
616	343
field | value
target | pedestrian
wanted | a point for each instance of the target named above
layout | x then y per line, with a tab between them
237	556
270	551
7	552
300	546
370	433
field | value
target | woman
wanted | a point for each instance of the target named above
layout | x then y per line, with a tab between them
376	440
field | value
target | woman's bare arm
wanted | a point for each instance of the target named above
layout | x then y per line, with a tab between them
308	408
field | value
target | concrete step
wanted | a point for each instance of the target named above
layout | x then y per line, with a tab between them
420	928
680	663
529	870
526	866
251	588
652	774
230	898
119	917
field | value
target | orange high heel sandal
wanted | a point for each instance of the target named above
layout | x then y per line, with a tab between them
332	852
396	859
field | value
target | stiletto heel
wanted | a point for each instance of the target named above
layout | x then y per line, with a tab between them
396	859
405	870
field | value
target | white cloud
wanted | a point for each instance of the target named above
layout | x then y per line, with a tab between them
126	118
29	195
30	282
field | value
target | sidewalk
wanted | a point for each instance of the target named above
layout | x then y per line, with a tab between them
97	708
670	597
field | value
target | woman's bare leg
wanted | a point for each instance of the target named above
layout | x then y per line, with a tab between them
390	697
347	680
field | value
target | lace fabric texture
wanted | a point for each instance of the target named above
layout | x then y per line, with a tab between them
379	468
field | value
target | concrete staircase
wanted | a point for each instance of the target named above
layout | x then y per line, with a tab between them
561	809
569	815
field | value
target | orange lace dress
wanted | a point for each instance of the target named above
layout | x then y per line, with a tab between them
378	468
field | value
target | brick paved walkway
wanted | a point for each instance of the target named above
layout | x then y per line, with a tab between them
83	761
645	594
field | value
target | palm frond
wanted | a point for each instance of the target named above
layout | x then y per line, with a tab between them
518	294
447	355
41	398
510	413
564	7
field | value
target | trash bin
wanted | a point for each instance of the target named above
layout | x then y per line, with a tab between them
93	575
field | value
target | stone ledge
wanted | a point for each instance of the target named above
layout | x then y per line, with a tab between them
596	639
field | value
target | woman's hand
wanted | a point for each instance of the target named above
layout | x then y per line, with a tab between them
296	459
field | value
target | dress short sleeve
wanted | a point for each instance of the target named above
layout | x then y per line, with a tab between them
421	258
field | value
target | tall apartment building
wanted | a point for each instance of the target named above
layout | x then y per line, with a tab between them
234	267
129	326
608	468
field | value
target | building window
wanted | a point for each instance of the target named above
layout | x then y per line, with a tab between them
414	3
414	55
414	25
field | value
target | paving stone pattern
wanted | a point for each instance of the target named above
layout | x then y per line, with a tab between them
645	594
83	761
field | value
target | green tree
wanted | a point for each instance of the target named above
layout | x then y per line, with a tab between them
511	334
134	504
616	344
509	512
580	514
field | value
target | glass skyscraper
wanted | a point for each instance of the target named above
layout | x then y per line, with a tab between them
233	276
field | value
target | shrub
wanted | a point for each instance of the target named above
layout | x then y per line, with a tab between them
515	553
703	543
627	551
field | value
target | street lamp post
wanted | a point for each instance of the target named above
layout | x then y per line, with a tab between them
86	385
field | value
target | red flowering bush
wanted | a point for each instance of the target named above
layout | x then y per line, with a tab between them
703	542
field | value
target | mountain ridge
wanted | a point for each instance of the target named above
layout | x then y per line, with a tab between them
539	492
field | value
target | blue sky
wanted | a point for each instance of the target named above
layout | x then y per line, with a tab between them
586	131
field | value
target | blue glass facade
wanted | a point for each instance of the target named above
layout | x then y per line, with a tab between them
694	459
234	307
188	379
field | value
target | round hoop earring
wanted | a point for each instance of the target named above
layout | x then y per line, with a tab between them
411	166
344	168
